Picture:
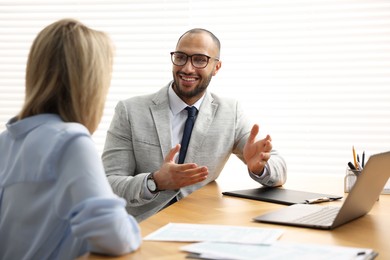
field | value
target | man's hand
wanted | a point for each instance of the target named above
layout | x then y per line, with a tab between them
173	176
256	154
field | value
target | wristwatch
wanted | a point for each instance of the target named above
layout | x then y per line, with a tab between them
151	184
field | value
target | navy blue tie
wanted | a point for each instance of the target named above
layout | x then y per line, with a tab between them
187	132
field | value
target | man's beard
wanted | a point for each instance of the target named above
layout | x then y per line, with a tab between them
193	93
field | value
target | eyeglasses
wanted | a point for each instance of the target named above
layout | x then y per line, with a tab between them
199	61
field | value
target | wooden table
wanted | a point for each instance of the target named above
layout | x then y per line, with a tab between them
209	206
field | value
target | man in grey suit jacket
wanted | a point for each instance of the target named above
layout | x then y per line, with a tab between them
143	141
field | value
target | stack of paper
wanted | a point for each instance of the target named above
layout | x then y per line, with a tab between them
215	233
278	250
242	243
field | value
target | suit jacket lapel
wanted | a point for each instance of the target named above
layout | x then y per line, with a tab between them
160	112
161	116
202	124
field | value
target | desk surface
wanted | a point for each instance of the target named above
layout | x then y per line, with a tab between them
209	206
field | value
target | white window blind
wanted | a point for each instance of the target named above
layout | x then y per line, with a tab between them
314	74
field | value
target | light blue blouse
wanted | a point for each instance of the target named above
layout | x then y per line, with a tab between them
55	201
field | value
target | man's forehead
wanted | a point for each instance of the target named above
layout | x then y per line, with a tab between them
200	43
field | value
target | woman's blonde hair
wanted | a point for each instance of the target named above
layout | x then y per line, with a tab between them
68	73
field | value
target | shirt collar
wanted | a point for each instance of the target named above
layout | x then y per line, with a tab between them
177	105
21	127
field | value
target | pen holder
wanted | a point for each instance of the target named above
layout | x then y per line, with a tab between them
350	179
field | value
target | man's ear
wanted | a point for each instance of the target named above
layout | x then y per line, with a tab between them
217	67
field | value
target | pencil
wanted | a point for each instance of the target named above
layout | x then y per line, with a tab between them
354	157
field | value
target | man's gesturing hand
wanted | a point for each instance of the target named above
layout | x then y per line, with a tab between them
173	176
256	154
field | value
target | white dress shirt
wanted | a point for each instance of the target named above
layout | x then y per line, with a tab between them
179	115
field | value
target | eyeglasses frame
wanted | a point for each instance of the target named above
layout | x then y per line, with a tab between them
190	56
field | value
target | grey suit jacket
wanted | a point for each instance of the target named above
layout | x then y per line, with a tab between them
139	138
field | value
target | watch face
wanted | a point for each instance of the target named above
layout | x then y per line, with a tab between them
151	185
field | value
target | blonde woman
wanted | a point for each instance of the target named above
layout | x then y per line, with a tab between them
55	201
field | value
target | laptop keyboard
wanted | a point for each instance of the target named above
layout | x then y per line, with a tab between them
324	216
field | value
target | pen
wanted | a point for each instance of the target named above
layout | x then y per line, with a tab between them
351	166
359	168
318	200
363	155
353	169
354	157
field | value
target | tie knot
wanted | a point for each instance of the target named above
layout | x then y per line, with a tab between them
191	111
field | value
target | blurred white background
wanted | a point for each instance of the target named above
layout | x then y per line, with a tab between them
314	74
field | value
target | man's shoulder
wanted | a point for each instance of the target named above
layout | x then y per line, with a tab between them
146	99
139	99
222	100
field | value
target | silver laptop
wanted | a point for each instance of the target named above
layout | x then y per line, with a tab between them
359	202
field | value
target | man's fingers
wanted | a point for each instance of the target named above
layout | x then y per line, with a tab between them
253	134
192	175
265	156
171	155
268	145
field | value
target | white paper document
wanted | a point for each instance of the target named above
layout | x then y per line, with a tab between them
180	232
386	190
278	250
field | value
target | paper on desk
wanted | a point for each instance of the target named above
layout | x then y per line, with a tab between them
180	232
386	189
278	250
